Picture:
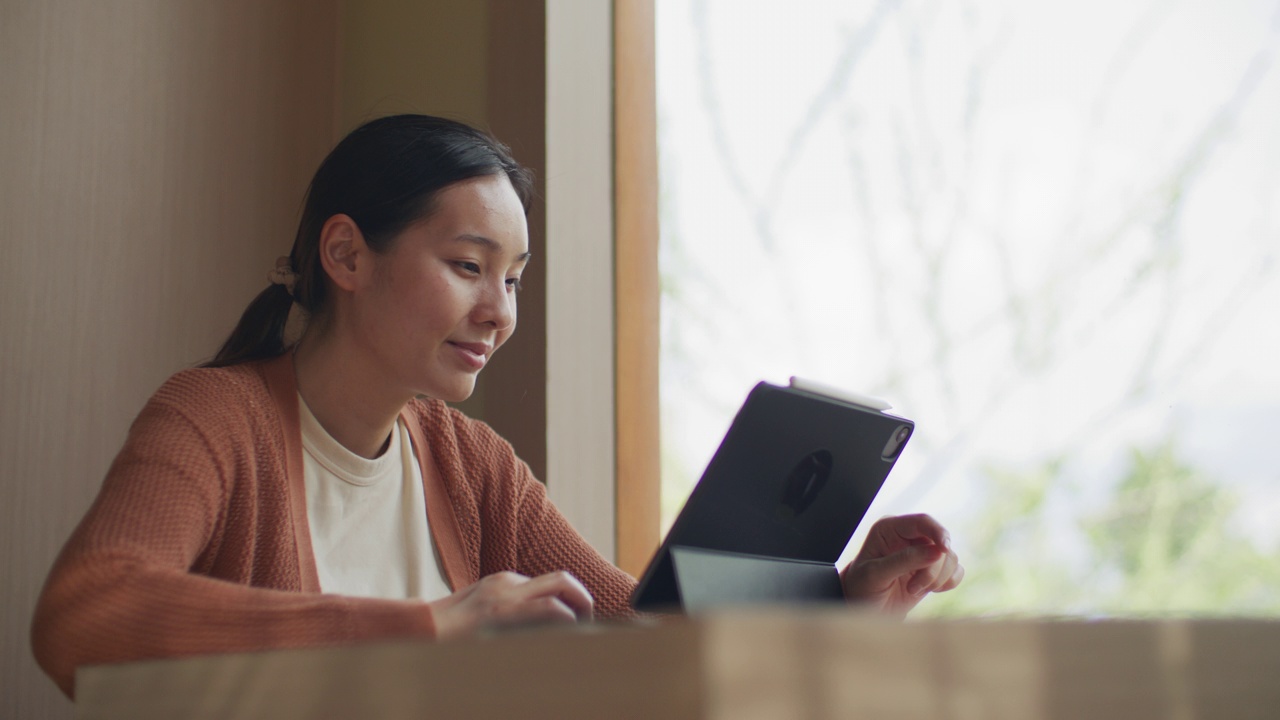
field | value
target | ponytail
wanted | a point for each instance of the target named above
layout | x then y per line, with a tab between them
260	333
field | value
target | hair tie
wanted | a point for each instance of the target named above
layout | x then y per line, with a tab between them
283	274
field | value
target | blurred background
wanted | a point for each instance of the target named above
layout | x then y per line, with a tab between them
1046	232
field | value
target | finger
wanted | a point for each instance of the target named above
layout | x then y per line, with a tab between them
938	577
567	589
914	528
943	572
918	584
543	609
908	561
486	587
954	580
931	577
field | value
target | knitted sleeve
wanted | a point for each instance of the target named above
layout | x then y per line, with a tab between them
522	530
139	577
550	543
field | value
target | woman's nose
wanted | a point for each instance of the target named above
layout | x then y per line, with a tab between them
497	306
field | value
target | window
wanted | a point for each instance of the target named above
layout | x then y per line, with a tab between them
1046	232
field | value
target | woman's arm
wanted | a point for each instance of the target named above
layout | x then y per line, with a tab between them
186	552
553	544
523	531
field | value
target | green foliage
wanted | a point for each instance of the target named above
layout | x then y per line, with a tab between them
1164	541
1168	535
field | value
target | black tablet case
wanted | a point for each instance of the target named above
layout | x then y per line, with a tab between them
776	506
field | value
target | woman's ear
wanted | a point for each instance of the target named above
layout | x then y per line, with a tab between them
343	252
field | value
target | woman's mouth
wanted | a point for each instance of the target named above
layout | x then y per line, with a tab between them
473	355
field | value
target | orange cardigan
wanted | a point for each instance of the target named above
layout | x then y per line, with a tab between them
198	540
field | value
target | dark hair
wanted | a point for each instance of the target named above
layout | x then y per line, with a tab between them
385	175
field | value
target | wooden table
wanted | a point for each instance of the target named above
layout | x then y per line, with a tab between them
740	665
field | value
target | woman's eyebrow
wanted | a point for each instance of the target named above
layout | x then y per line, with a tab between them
489	244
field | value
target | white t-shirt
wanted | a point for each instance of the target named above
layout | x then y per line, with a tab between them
368	518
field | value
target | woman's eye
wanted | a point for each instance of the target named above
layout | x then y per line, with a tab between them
514	285
470	267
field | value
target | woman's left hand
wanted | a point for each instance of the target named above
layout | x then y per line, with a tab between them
904	559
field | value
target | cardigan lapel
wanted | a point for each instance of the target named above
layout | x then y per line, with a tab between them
282	383
440	512
278	372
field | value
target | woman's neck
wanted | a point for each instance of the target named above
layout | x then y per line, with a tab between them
343	394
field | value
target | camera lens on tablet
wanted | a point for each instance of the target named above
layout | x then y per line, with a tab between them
895	442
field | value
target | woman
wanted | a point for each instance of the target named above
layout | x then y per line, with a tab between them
323	493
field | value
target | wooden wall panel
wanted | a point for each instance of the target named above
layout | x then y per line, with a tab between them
153	156
414	56
513	388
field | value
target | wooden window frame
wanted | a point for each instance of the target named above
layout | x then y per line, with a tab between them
636	285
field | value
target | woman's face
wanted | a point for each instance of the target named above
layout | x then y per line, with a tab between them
444	299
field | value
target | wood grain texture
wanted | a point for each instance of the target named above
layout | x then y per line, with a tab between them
636	283
153	157
832	664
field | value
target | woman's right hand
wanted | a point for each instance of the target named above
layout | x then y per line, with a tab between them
508	598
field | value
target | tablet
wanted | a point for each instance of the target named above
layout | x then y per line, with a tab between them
778	502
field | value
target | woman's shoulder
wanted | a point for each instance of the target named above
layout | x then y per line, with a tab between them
218	394
215	383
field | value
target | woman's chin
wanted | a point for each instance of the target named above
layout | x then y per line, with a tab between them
455	392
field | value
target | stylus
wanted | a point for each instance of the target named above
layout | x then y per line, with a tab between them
848	396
